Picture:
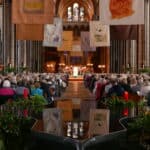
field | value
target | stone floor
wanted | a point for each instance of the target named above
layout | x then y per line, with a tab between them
77	92
76	89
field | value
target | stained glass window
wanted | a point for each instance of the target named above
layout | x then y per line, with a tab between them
75	13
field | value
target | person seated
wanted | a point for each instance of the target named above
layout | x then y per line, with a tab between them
36	90
135	87
21	90
145	89
125	85
51	94
6	92
116	89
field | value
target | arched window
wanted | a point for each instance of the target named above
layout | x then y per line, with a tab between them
75	13
69	14
82	14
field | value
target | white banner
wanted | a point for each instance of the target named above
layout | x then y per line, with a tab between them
53	33
99	34
118	12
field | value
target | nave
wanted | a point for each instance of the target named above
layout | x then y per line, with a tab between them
77	92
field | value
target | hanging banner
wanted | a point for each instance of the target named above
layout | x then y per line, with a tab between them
117	12
33	11
53	33
76	53
99	34
67	41
33	32
76	49
123	32
85	42
76	46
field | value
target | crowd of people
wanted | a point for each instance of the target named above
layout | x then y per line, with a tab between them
106	85
50	85
24	85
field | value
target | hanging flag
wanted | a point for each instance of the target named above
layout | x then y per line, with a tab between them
33	32
67	41
76	53
76	45
33	11
99	34
76	49
123	32
85	42
117	12
53	33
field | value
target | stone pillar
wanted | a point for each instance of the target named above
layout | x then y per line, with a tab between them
147	34
107	61
13	45
140	47
133	54
25	54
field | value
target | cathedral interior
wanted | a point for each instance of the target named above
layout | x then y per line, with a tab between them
77	98
123	54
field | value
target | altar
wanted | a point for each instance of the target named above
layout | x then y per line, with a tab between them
75	71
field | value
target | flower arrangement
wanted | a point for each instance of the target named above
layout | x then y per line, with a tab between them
116	101
17	114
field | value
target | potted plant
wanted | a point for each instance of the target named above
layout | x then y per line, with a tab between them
118	108
142	125
116	103
16	120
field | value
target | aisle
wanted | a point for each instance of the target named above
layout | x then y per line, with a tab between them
77	93
76	90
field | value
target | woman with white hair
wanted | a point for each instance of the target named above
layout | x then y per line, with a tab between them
6	92
145	89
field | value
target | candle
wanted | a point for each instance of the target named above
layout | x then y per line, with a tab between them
126	95
126	112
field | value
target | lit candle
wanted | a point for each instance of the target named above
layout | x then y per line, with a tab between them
126	95
126	112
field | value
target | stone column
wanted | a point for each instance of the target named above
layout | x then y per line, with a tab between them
147	34
133	54
140	47
107	61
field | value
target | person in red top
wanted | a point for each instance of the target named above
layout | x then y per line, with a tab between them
6	92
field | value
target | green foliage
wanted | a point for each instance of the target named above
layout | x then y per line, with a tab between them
10	69
141	123
37	103
10	123
144	70
15	116
21	69
116	101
